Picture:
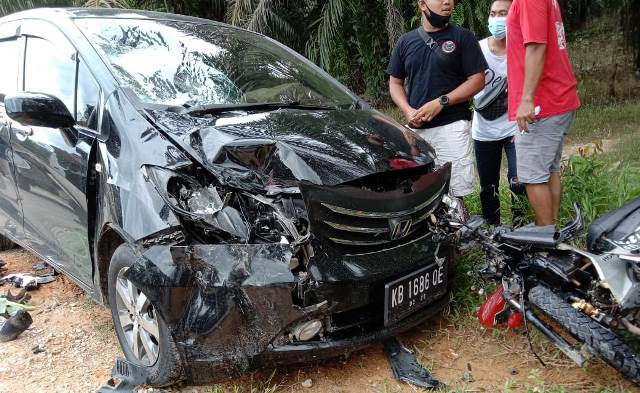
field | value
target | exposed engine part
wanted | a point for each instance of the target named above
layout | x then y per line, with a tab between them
296	226
585	307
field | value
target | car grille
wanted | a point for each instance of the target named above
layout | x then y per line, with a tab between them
361	219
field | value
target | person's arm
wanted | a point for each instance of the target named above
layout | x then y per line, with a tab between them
535	56
462	93
399	97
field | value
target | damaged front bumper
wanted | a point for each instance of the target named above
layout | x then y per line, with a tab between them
231	308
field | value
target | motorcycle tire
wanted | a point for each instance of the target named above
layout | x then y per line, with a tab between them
605	343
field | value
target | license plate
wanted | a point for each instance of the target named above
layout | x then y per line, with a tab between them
410	293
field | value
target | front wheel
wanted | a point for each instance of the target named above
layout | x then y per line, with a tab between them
605	343
143	335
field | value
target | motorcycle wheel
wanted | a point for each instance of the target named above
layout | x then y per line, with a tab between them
602	341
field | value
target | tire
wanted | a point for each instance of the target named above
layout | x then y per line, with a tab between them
164	366
602	341
6	244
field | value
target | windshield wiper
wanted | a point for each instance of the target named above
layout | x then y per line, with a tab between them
218	108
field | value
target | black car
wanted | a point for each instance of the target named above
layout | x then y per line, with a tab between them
234	205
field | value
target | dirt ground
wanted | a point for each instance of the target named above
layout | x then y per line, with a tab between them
80	346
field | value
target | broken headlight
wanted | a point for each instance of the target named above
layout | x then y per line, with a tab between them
197	199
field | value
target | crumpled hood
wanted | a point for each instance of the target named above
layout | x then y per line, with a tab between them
275	150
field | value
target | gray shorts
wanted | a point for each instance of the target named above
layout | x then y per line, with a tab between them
539	151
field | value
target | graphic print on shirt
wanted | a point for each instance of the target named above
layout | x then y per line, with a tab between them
448	46
562	41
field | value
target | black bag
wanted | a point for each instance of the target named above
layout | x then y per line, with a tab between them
494	103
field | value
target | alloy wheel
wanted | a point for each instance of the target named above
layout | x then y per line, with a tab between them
138	319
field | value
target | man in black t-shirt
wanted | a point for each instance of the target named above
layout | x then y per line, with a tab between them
444	69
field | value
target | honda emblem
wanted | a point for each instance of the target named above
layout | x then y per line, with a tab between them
400	227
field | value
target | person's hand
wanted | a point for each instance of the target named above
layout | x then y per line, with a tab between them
526	114
428	111
410	114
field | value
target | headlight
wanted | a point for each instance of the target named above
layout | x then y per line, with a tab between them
195	201
456	209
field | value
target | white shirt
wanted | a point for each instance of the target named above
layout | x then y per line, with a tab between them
500	128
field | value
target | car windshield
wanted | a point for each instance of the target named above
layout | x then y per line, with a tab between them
199	64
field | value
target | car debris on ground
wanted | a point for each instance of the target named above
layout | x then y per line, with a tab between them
14	307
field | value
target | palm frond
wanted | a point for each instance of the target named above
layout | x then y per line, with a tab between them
325	31
394	22
265	19
239	11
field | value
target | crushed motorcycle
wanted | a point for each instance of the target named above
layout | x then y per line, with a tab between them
591	292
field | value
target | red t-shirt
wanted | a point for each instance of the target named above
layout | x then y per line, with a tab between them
540	21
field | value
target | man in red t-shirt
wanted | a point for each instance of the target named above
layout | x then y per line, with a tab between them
542	99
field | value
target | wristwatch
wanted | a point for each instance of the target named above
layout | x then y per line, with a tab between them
444	101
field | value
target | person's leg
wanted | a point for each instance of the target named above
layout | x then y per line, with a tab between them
516	188
539	195
488	158
536	152
555	188
562	123
453	143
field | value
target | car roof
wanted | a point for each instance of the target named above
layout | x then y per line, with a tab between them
75	13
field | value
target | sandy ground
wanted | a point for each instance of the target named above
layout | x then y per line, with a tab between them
80	345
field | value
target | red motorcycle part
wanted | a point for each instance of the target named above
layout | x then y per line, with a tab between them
496	313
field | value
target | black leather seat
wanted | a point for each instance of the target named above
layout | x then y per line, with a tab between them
522	237
616	224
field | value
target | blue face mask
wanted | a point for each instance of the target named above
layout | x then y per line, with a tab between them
498	27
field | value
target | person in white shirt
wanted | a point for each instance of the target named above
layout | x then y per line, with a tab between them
492	131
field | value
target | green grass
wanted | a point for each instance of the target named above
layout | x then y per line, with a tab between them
595	122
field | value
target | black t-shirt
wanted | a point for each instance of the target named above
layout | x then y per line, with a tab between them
430	75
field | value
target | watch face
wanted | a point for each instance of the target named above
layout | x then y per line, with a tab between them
444	100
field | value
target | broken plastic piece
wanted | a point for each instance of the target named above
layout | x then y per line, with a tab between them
14	326
496	313
406	367
125	377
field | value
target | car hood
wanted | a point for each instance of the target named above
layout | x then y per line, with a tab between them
275	150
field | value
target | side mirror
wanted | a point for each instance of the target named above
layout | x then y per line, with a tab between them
38	110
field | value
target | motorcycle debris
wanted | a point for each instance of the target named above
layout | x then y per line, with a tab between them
125	377
12	327
406	367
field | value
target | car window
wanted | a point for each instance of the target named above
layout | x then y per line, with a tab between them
207	64
88	96
50	70
8	67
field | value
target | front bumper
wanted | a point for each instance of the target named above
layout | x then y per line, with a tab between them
230	307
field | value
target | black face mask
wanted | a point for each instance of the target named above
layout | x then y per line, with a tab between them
436	20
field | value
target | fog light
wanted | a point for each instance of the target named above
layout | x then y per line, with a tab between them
307	330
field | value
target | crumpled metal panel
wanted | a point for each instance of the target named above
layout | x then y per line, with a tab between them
222	302
280	148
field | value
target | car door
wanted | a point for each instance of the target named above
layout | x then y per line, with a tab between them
51	164
10	211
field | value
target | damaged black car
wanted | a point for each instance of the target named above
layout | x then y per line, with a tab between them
232	204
